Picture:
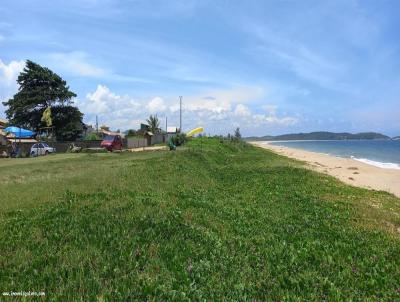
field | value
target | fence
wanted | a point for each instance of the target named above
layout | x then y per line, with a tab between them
157	139
140	142
4	149
24	148
130	142
137	142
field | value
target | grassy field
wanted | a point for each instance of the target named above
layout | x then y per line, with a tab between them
226	222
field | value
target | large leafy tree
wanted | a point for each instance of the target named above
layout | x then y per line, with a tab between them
67	122
40	89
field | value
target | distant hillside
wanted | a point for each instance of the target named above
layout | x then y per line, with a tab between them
322	135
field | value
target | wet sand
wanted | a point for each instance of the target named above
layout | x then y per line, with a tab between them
347	170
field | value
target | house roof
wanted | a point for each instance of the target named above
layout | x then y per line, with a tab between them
23	140
112	133
3	122
20	140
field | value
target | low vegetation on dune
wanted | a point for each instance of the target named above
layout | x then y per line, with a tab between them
213	221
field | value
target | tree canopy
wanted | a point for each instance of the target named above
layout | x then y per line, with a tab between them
237	134
40	89
154	123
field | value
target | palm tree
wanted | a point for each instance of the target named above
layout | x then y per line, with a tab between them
154	123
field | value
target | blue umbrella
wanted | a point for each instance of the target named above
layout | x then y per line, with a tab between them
19	132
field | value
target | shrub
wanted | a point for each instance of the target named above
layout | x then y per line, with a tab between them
92	137
179	139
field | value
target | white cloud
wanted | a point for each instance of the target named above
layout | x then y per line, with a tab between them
114	110
76	62
299	56
79	63
273	119
101	100
270	109
156	105
219	101
218	111
242	110
8	80
10	72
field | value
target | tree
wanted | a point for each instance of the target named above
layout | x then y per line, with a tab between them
92	137
67	122
154	123
40	90
131	132
237	134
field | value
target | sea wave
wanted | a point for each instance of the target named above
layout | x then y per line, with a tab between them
378	163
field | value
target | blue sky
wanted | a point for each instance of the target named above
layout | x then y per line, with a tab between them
269	67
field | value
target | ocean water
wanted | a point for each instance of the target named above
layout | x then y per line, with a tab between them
380	153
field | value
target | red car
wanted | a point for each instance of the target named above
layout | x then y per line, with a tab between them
112	142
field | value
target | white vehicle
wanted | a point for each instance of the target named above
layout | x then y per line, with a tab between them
41	149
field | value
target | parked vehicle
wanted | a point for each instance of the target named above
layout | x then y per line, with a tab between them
41	149
112	142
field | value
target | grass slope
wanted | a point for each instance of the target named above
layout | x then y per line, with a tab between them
230	222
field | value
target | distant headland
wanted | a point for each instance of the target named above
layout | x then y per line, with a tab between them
322	135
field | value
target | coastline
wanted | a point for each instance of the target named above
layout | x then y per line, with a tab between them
347	170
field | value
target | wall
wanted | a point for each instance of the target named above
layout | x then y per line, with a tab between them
157	139
4	148
25	148
137	142
3	140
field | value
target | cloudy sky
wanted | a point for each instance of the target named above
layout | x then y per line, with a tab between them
269	67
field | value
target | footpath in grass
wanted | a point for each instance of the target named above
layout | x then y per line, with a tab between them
217	221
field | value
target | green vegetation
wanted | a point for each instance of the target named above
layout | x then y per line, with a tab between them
231	222
92	137
154	123
131	133
178	139
44	99
321	135
237	134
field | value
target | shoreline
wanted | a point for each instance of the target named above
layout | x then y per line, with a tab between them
347	170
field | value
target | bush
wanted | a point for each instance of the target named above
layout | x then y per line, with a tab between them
179	139
92	137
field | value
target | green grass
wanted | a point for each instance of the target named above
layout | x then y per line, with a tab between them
232	222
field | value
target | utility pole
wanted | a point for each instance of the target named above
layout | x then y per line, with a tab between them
166	130
97	125
180	114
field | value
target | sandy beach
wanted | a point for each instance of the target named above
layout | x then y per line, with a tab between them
347	170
